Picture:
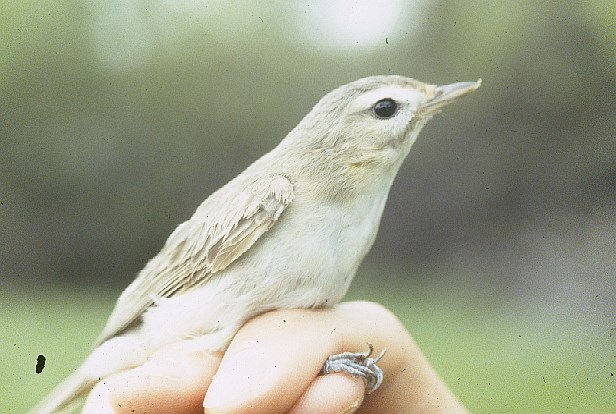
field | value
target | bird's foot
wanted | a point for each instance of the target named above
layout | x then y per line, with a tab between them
357	364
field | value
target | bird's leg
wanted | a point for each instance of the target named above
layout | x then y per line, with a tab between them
357	364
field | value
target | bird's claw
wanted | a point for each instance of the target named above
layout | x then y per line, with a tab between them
358	364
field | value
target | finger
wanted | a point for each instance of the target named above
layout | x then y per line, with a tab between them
273	358
173	380
333	393
267	365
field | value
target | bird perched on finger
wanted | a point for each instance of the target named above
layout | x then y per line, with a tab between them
288	232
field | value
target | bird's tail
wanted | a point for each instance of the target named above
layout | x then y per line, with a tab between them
65	396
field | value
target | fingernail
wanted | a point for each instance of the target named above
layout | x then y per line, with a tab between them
353	406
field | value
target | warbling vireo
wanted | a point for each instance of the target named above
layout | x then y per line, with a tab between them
288	232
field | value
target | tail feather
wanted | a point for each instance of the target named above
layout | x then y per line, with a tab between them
65	396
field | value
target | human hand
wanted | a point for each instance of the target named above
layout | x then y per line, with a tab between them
272	366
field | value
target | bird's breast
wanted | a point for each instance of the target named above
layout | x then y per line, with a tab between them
316	248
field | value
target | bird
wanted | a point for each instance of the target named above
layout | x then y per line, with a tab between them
290	231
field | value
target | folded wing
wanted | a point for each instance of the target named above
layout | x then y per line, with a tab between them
224	227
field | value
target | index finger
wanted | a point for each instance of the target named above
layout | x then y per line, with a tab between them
275	357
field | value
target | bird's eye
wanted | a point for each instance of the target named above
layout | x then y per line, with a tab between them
385	108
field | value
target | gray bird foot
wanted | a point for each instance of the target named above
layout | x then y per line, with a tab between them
359	365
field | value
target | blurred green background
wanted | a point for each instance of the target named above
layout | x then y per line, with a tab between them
497	247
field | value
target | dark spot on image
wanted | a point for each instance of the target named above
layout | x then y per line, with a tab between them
40	364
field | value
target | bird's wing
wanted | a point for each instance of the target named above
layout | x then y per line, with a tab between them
225	226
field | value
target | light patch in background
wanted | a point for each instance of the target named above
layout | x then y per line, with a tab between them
126	34
351	24
122	33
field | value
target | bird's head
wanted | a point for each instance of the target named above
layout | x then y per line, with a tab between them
367	127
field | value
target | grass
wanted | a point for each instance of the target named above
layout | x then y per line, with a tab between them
498	358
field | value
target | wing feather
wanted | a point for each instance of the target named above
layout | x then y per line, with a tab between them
224	227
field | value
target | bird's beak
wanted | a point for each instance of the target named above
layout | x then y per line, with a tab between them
446	94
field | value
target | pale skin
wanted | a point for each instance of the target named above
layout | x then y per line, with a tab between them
272	366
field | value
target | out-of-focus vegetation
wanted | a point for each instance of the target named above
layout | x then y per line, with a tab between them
118	118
